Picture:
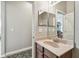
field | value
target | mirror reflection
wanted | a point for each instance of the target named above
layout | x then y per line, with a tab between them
57	20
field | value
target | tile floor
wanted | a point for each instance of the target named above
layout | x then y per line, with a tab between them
24	54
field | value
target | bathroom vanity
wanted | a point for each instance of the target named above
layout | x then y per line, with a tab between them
53	23
48	49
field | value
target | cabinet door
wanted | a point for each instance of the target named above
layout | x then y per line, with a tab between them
39	47
67	55
49	54
39	54
39	51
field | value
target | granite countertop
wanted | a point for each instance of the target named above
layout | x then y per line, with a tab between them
58	48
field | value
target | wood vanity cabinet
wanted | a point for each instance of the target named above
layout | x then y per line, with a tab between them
48	54
42	52
67	55
39	51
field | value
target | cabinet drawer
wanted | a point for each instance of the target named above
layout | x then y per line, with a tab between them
39	54
40	47
49	54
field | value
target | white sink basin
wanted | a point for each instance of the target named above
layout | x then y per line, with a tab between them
56	42
51	43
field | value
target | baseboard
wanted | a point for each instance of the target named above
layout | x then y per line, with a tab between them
16	51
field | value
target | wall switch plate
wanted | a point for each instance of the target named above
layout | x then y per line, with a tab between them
12	29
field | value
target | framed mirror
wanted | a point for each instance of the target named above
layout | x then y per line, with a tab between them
60	16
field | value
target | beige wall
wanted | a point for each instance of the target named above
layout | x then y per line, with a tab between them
61	6
43	5
69	21
70	7
76	50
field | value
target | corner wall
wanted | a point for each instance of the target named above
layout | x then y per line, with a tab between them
76	49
